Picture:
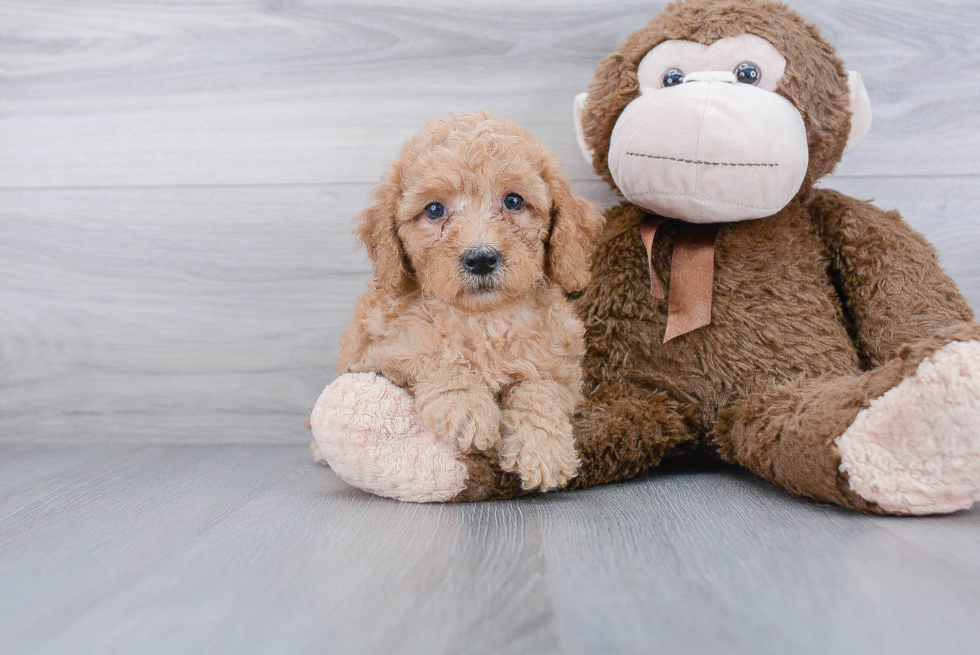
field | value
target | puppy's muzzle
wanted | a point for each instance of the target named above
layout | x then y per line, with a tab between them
481	262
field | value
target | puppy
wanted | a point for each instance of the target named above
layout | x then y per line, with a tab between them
476	237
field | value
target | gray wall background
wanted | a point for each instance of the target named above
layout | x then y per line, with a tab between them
177	179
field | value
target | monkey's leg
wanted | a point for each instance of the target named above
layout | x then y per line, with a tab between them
903	438
625	430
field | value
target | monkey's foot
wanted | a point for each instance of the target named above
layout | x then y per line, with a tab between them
916	449
370	433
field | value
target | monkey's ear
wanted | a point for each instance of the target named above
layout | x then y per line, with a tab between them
575	226
376	230
860	106
577	109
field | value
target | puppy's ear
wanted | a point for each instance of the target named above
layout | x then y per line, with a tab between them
376	230
575	226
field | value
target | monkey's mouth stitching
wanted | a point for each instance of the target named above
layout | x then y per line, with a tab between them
699	161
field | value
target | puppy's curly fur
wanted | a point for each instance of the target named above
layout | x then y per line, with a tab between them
492	360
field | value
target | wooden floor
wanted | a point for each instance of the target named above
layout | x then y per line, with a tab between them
176	267
174	548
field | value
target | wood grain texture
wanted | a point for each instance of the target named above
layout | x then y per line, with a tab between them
214	314
102	93
170	271
254	549
176	268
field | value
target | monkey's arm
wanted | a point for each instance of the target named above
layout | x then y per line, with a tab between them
892	288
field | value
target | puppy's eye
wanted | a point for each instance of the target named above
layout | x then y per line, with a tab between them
513	202
673	77
435	211
748	73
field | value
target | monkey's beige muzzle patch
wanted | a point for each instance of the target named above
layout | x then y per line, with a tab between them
709	152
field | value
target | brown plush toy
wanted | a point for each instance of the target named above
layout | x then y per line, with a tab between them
734	308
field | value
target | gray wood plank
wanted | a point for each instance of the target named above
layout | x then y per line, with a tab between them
723	562
29	465
248	92
78	541
32	471
235	296
214	314
254	549
176	560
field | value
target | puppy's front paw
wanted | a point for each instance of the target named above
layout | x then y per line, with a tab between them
543	455
472	419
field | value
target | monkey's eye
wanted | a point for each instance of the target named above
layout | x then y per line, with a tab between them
748	73
673	77
435	211
513	202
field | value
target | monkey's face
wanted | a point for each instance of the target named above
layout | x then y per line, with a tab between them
720	111
708	139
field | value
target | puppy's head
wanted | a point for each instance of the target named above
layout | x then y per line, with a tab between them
476	212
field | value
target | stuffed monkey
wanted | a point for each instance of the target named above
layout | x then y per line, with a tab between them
735	308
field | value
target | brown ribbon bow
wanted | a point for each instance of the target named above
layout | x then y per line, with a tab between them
692	273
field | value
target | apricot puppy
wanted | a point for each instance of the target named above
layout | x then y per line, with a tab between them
476	237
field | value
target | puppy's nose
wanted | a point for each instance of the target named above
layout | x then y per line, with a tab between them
481	261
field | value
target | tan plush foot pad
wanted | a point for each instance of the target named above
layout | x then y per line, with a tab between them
369	432
916	449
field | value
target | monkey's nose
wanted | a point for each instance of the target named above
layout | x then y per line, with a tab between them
711	76
481	261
